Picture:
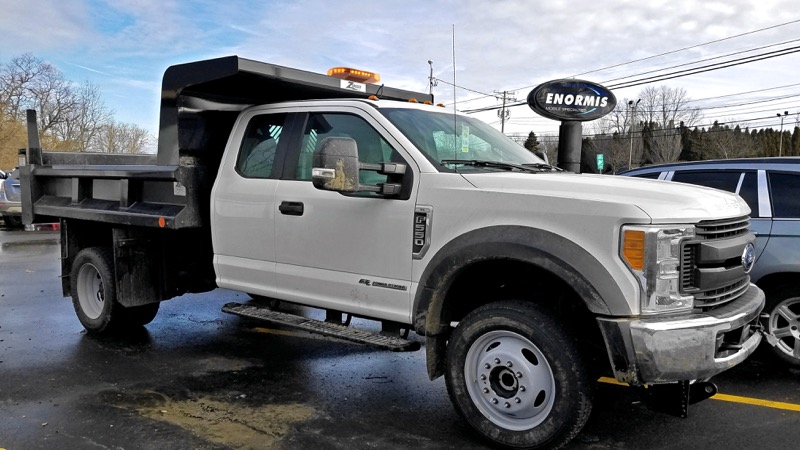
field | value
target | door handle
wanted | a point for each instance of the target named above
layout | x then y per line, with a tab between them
291	208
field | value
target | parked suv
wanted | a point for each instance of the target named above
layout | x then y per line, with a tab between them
10	205
771	187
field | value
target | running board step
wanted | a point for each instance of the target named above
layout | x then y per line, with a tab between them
395	344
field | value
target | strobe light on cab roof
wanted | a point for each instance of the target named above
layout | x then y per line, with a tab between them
360	76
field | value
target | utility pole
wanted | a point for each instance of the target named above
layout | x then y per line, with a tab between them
632	107
505	113
431	80
780	147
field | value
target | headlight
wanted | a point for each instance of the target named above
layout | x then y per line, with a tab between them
653	253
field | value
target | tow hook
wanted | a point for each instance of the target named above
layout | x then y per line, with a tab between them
771	340
674	398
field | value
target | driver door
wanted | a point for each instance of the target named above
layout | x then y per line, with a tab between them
349	253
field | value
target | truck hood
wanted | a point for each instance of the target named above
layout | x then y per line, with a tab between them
663	201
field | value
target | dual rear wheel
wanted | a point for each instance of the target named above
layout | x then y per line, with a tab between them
94	294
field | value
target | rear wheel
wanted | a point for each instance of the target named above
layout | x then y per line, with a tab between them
517	377
93	290
13	221
141	315
783	307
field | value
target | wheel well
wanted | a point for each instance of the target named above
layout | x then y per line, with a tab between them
494	280
776	281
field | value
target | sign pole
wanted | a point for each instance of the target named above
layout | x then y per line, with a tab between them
569	145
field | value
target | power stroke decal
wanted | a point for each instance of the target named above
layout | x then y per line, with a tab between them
421	234
380	284
575	100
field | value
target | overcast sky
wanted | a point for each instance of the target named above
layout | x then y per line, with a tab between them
125	46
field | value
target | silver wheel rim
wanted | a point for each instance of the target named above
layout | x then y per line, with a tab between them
509	380
784	324
91	293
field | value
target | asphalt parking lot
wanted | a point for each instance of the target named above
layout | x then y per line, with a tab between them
201	379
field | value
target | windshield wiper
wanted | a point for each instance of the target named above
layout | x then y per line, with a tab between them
532	168
544	166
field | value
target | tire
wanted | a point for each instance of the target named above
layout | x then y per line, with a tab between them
13	221
541	400
93	289
137	316
783	307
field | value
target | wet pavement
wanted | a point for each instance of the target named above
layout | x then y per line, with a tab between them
201	379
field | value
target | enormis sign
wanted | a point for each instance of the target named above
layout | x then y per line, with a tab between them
571	100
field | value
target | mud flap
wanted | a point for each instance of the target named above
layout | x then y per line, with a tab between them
674	399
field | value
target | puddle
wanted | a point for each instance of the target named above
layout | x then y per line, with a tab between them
232	424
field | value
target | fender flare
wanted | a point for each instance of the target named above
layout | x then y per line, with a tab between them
554	253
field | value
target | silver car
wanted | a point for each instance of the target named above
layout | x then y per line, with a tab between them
10	201
771	187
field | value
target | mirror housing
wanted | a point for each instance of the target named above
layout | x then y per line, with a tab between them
335	165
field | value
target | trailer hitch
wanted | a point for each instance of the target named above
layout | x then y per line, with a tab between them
674	398
759	327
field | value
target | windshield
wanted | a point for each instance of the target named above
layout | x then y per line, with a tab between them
447	137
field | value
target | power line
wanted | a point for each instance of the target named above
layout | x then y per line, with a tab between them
708	68
704	60
687	48
659	55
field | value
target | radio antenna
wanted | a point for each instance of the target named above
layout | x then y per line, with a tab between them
455	121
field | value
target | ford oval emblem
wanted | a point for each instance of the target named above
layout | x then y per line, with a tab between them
748	257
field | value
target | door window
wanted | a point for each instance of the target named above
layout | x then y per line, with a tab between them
257	152
785	188
372	147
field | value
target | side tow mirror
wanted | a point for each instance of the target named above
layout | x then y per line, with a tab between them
336	165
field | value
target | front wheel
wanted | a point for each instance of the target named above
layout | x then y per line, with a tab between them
517	377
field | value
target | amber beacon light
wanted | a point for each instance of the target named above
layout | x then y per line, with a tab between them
360	76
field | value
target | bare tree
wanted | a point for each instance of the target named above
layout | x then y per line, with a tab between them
71	116
83	123
115	137
621	136
662	110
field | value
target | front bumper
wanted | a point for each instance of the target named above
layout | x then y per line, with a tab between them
695	346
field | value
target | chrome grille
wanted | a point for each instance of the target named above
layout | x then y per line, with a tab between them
721	229
710	297
720	296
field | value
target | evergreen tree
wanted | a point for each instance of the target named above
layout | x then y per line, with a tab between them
532	144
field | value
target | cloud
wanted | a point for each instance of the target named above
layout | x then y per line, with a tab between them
499	45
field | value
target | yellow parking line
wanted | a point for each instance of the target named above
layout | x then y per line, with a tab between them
730	398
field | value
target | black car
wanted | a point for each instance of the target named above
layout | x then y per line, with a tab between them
771	187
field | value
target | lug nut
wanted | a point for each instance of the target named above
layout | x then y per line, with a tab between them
497	360
487	366
483	377
494	401
522	388
485	390
519	374
507	405
509	364
517	400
